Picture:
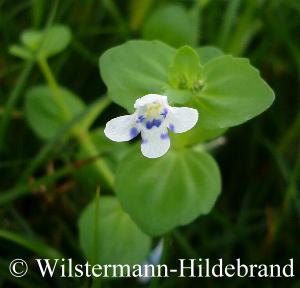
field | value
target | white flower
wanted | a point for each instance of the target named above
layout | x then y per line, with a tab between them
152	118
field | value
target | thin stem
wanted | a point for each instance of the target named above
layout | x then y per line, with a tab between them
88	145
33	244
54	87
12	101
78	131
57	141
15	94
116	14
292	188
247	27
97	109
20	190
96	283
230	17
291	134
15	114
184	244
84	52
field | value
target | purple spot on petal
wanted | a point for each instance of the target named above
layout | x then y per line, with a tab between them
133	132
164	136
172	127
144	141
149	125
141	118
156	122
164	113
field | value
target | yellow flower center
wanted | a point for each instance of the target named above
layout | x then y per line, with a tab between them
153	110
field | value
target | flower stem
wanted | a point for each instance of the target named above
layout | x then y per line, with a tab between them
54	87
85	141
12	101
78	131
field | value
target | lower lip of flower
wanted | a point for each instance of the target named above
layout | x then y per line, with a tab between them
134	132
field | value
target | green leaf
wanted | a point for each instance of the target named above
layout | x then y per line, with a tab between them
20	52
48	42
207	53
169	191
57	39
194	136
176	96
42	112
198	133
32	39
227	91
104	226
185	69
233	93
171	24
135	69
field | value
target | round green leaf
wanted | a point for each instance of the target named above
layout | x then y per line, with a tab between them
135	69
171	24
55	40
108	235
185	69
207	53
42	112
32	39
233	93
194	136
169	191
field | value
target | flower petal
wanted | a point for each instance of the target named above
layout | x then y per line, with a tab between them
155	143
121	128
150	98
182	119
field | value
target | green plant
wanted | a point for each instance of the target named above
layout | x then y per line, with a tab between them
171	191
54	152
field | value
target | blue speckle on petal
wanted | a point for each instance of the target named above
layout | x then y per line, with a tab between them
133	132
141	118
149	124
172	127
164	136
164	113
144	141
156	122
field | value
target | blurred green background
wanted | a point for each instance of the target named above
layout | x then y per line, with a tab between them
257	216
